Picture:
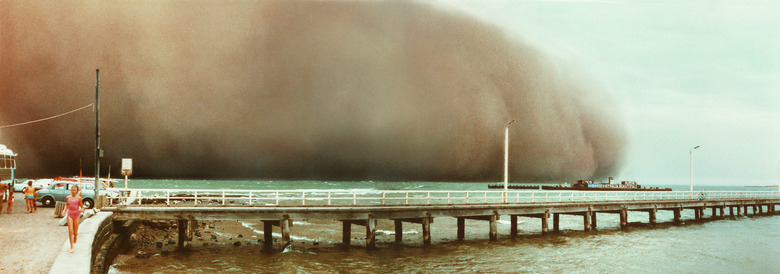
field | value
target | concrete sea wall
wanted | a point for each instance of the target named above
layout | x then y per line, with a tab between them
99	241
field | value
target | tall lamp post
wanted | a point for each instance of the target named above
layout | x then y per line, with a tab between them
506	158
690	160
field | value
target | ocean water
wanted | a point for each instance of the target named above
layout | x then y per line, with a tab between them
731	245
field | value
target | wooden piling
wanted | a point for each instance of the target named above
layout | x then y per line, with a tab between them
593	221
586	219
545	218
461	228
286	223
623	218
399	231
346	231
268	235
182	225
677	215
513	223
556	221
494	227
652	216
426	227
370	232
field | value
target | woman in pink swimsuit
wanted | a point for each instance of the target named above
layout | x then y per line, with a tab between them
74	209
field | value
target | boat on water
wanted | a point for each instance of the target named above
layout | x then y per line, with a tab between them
587	185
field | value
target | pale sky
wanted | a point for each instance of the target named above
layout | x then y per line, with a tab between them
685	73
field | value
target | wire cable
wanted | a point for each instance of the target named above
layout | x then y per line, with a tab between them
47	118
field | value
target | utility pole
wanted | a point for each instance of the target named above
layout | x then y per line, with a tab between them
98	152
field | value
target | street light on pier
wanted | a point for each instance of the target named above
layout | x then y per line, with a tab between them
506	158
690	160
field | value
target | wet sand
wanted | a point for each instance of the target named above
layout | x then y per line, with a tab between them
29	243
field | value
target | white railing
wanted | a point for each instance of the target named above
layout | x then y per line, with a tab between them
325	197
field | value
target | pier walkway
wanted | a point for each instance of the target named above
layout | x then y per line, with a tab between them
364	208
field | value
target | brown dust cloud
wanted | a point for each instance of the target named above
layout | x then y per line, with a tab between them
399	91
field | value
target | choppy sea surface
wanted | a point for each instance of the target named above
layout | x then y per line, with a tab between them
732	245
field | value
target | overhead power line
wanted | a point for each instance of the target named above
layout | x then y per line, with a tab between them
47	118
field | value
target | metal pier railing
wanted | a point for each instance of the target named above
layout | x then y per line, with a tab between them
325	197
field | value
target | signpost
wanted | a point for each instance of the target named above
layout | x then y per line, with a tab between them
127	168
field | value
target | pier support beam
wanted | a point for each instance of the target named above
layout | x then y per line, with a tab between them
494	227
346	231
185	231
461	228
513	223
677	215
697	214
369	223
586	219
426	228
399	231
268	235
493	219
370	231
652	216
593	221
623	218
284	224
722	209
545	217
556	222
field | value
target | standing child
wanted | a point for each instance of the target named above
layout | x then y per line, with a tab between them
10	202
3	188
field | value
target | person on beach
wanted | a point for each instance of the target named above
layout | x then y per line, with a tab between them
73	210
3	189
35	200
29	196
10	203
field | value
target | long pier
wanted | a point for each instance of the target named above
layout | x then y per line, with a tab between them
364	208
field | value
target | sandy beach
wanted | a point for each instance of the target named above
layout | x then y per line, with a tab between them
29	243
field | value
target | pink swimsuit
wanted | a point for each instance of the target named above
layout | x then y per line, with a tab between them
73	208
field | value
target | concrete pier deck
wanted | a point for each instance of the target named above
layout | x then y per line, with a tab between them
482	206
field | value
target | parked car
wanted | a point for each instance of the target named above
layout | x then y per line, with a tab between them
59	191
37	184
